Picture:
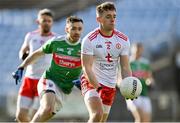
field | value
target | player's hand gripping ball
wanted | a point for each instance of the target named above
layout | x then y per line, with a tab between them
130	87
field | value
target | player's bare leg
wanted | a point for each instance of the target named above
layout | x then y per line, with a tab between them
94	106
22	115
145	116
45	111
33	112
136	115
104	118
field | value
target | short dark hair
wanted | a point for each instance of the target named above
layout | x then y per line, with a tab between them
47	12
72	19
105	7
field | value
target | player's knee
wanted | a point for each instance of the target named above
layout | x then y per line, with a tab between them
21	117
47	110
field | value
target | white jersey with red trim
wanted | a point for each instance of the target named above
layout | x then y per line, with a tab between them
106	51
34	40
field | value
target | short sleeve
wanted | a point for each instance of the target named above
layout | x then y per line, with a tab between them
86	47
126	48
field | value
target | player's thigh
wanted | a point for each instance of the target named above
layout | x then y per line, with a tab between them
91	97
148	105
131	105
28	86
143	103
24	102
145	110
49	94
107	95
22	112
48	100
144	116
23	107
33	112
93	101
105	117
35	104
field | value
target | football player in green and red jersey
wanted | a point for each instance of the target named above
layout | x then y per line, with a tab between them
141	107
57	81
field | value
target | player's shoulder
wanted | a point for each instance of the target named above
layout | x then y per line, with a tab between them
121	35
34	32
92	35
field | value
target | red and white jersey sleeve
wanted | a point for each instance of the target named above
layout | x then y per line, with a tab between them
106	51
34	40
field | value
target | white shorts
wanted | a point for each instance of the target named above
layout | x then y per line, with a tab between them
27	103
94	93
142	102
46	84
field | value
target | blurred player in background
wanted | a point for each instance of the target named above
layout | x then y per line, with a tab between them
28	102
141	107
101	51
58	80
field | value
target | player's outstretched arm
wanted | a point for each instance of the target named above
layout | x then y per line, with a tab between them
17	75
32	58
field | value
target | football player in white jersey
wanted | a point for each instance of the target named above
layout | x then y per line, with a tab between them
28	101
102	49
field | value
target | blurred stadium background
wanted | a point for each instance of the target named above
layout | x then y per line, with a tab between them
155	23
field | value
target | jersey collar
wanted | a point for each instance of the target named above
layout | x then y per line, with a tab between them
106	35
67	41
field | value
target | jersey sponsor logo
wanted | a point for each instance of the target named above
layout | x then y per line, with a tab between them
104	66
60	49
98	46
67	61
